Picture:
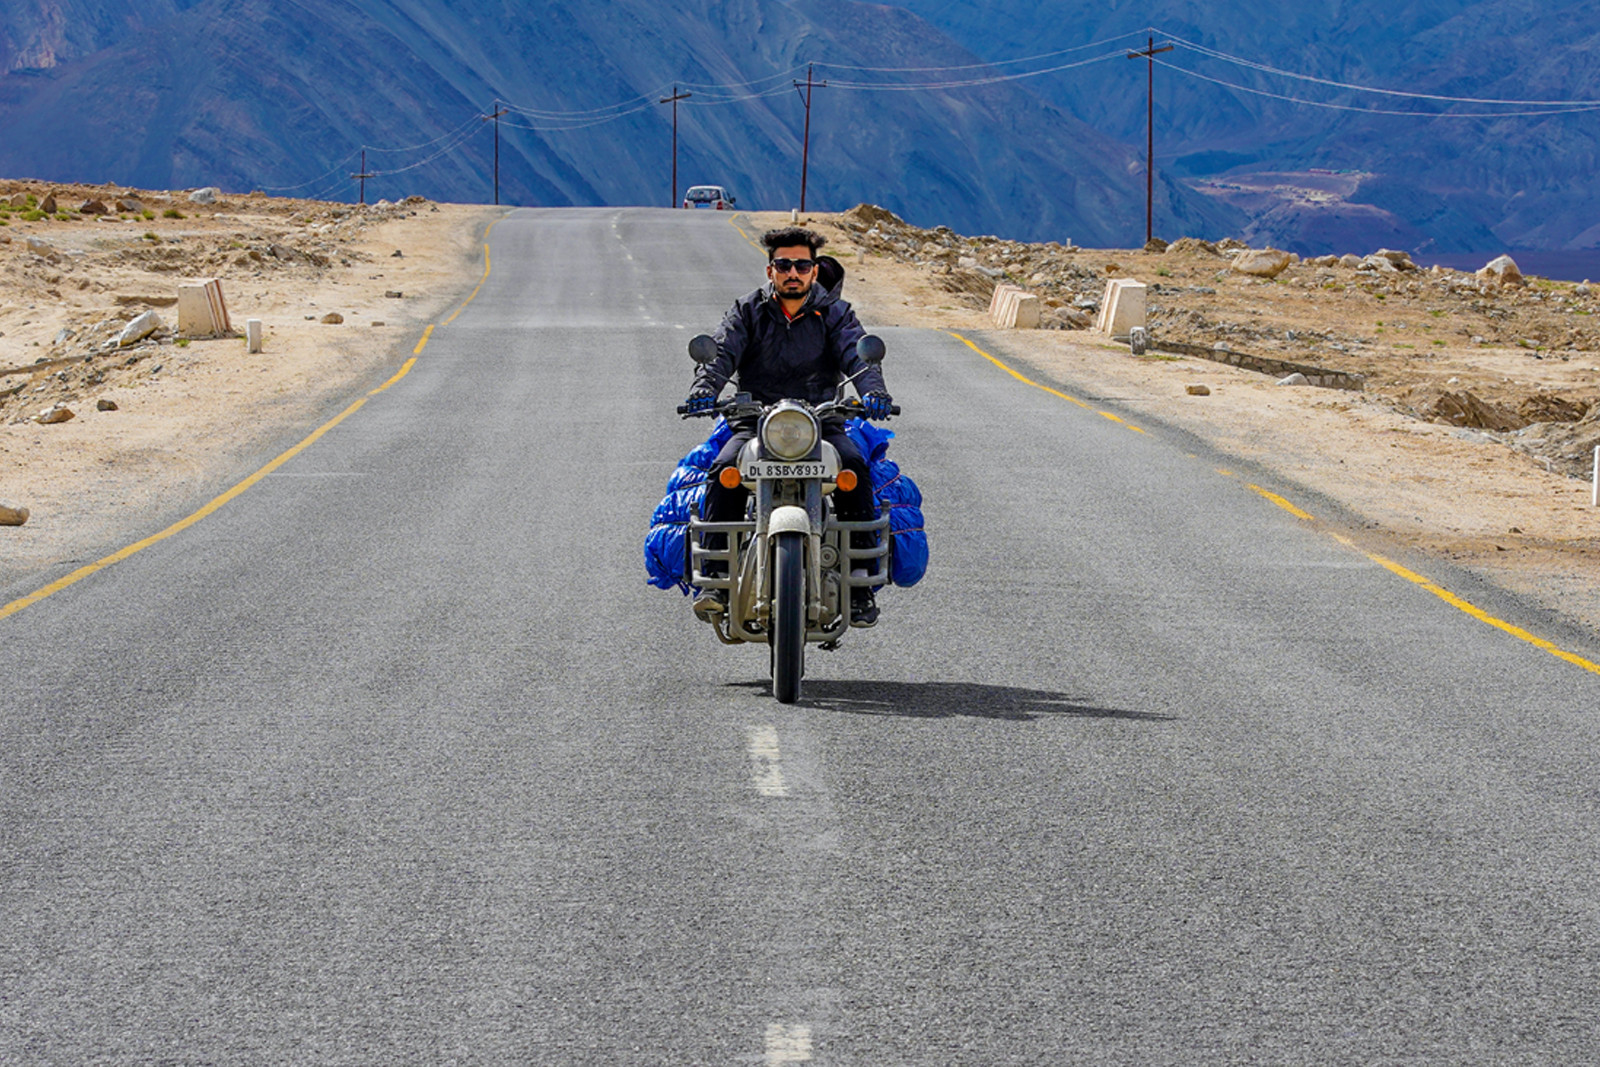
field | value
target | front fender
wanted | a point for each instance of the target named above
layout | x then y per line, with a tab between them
789	519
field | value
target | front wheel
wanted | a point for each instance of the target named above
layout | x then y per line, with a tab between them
788	616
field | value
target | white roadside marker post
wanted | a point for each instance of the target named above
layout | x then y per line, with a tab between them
1594	494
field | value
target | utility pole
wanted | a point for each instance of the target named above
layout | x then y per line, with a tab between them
1149	56
805	149
673	100
495	115
363	176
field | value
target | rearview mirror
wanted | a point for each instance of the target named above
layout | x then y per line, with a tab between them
870	348
703	349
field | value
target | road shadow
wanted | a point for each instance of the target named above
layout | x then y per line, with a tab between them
942	700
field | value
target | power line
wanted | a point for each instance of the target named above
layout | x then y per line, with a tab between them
336	168
425	144
1382	111
990	64
646	106
1253	65
971	82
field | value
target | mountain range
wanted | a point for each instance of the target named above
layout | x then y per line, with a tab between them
922	111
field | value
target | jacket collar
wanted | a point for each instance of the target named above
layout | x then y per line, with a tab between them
817	298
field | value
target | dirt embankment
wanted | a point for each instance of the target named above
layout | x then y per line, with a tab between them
154	418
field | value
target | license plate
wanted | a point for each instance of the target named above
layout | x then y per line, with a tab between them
761	469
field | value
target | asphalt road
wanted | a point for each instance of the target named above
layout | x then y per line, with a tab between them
396	758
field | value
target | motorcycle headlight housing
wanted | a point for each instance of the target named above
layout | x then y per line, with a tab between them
789	432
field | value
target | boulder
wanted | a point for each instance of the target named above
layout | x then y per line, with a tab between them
1198	390
1465	409
208	195
48	204
1295	379
332	318
1501	270
130	207
59	413
105	404
18	200
93	207
1400	260
1548	407
1231	244
1379	264
12	514
1064	319
1155	244
1351	261
1261	263
1192	245
1323	261
139	329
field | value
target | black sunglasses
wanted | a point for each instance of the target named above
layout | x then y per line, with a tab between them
799	266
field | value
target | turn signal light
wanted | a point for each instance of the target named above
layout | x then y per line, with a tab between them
729	478
846	480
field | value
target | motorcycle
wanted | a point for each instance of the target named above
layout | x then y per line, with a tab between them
788	569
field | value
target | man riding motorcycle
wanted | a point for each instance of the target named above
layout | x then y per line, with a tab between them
792	339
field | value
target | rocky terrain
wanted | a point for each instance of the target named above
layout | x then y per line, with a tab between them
96	260
107	414
1514	358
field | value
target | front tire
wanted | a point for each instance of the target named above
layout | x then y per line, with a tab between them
788	616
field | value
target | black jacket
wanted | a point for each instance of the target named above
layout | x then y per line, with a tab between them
804	358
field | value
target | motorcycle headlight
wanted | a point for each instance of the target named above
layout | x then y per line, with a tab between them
789	433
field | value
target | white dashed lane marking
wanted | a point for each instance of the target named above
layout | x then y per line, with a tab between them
788	1044
765	761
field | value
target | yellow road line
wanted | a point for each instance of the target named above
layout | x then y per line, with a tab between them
1483	616
1036	385
733	220
424	342
486	266
474	295
1284	504
178	527
1014	374
1438	591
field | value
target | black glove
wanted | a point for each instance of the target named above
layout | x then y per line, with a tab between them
703	398
877	404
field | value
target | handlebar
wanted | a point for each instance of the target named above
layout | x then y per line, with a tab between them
849	407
